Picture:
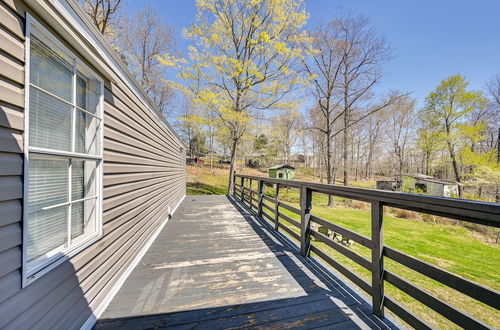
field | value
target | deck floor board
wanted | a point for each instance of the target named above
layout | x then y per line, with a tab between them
216	266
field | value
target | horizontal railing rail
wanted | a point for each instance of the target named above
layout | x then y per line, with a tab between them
270	208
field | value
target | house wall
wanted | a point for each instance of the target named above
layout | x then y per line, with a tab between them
144	178
436	189
386	185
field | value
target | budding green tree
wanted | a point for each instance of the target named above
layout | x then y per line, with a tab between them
242	59
447	107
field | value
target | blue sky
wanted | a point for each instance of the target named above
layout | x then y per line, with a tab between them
431	39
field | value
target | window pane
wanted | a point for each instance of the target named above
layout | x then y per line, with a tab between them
49	70
88	92
48	182
83	179
77	220
83	218
50	122
81	92
86	137
47	230
93	95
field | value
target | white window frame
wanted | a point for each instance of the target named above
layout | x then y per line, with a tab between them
58	256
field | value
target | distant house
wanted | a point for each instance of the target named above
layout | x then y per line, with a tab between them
391	185
432	186
285	172
420	183
90	171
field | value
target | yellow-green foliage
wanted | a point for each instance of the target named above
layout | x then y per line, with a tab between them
243	56
407	184
243	53
447	115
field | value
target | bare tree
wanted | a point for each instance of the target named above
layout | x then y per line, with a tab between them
139	40
285	131
104	14
322	65
189	127
146	38
358	140
211	126
428	143
344	64
363	51
373	137
399	128
304	140
493	89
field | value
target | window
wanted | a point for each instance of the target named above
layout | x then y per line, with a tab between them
63	154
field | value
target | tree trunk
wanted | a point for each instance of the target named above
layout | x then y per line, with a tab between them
211	152
455	167
427	159
345	155
399	178
454	162
369	162
497	192
232	167
498	146
321	169
329	169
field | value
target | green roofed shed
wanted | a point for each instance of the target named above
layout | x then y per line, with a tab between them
285	172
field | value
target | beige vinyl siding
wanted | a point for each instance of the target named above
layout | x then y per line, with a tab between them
144	176
11	149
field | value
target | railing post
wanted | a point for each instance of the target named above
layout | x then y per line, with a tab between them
234	186
276	207
261	198
305	220
377	259
250	201
242	192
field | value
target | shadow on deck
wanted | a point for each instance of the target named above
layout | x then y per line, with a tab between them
214	265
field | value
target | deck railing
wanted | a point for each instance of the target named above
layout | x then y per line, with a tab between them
469	211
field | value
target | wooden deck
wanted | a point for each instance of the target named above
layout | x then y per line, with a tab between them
214	265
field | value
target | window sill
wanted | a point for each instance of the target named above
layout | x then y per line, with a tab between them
55	260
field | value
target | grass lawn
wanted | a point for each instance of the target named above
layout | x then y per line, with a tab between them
201	181
452	247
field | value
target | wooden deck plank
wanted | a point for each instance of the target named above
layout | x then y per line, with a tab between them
215	265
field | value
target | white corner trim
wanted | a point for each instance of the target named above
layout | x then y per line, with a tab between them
91	321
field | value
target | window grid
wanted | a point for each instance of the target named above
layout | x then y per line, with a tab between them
70	171
70	154
65	101
48	261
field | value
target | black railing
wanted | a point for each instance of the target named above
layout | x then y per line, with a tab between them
469	211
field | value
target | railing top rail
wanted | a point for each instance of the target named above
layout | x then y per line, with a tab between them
467	210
